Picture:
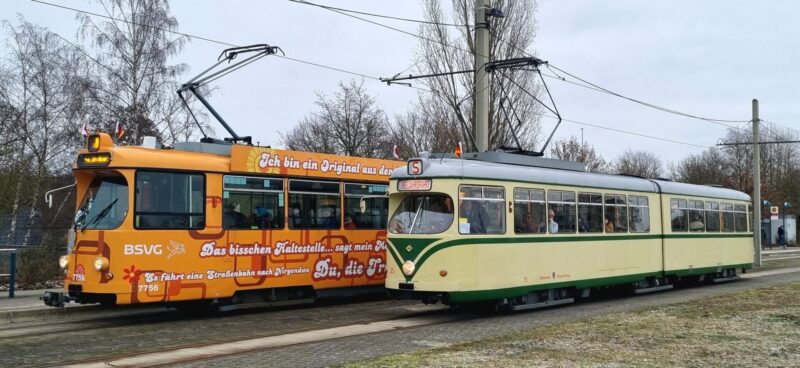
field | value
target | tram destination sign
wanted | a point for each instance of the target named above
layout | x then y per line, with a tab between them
414	185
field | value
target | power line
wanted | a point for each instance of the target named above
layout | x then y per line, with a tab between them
358	74
651	105
381	15
595	125
387	27
595	86
134	23
782	126
216	41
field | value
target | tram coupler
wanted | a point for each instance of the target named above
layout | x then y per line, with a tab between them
55	299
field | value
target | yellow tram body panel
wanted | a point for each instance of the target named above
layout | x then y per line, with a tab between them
138	262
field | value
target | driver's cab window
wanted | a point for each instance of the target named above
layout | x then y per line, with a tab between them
104	205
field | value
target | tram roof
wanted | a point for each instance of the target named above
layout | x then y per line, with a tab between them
474	169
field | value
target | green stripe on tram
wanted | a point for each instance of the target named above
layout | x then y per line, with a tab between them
476	295
410	248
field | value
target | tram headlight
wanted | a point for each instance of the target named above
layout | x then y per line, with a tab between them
408	268
63	261
101	263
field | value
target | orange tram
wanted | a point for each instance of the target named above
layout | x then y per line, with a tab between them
223	224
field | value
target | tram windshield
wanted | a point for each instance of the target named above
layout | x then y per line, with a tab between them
104	205
422	214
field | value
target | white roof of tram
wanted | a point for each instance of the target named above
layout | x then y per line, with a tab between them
474	169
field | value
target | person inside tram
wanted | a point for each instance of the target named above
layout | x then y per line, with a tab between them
476	216
349	224
528	226
608	224
233	218
551	225
697	223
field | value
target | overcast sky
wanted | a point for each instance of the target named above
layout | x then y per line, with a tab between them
708	58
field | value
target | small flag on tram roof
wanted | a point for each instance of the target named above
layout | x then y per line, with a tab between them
458	150
84	130
119	130
396	152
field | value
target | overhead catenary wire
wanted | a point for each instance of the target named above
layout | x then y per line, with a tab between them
599	126
593	85
381	15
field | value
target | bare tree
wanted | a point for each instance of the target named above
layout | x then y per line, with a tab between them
425	127
638	163
573	150
137	84
707	167
348	123
39	99
445	48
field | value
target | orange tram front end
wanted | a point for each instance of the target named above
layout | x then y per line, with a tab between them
223	224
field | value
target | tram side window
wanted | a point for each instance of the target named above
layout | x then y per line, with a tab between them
561	205
750	216
481	210
314	204
252	203
167	200
740	218
366	206
727	217
590	213
712	217
679	215
696	217
639	214
529	211
616	214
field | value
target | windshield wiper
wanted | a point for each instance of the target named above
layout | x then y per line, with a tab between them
100	215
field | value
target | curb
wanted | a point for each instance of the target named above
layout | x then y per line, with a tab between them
11	315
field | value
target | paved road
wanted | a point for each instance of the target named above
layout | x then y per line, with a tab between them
86	336
353	349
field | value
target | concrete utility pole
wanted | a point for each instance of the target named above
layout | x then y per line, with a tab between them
481	122
756	188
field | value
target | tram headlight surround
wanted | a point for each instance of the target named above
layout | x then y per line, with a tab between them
63	261
101	263
408	268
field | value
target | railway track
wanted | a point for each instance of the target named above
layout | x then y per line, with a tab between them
286	328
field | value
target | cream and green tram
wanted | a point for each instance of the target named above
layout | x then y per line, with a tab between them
528	232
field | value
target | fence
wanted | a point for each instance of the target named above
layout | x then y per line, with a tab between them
12	270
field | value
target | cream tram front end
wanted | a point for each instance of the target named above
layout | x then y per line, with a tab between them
531	232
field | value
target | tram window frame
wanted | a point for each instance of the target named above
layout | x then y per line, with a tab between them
739	217
696	211
500	204
138	215
713	217
587	204
526	203
619	219
253	219
352	206
680	207
638	208
726	209
561	200
304	219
